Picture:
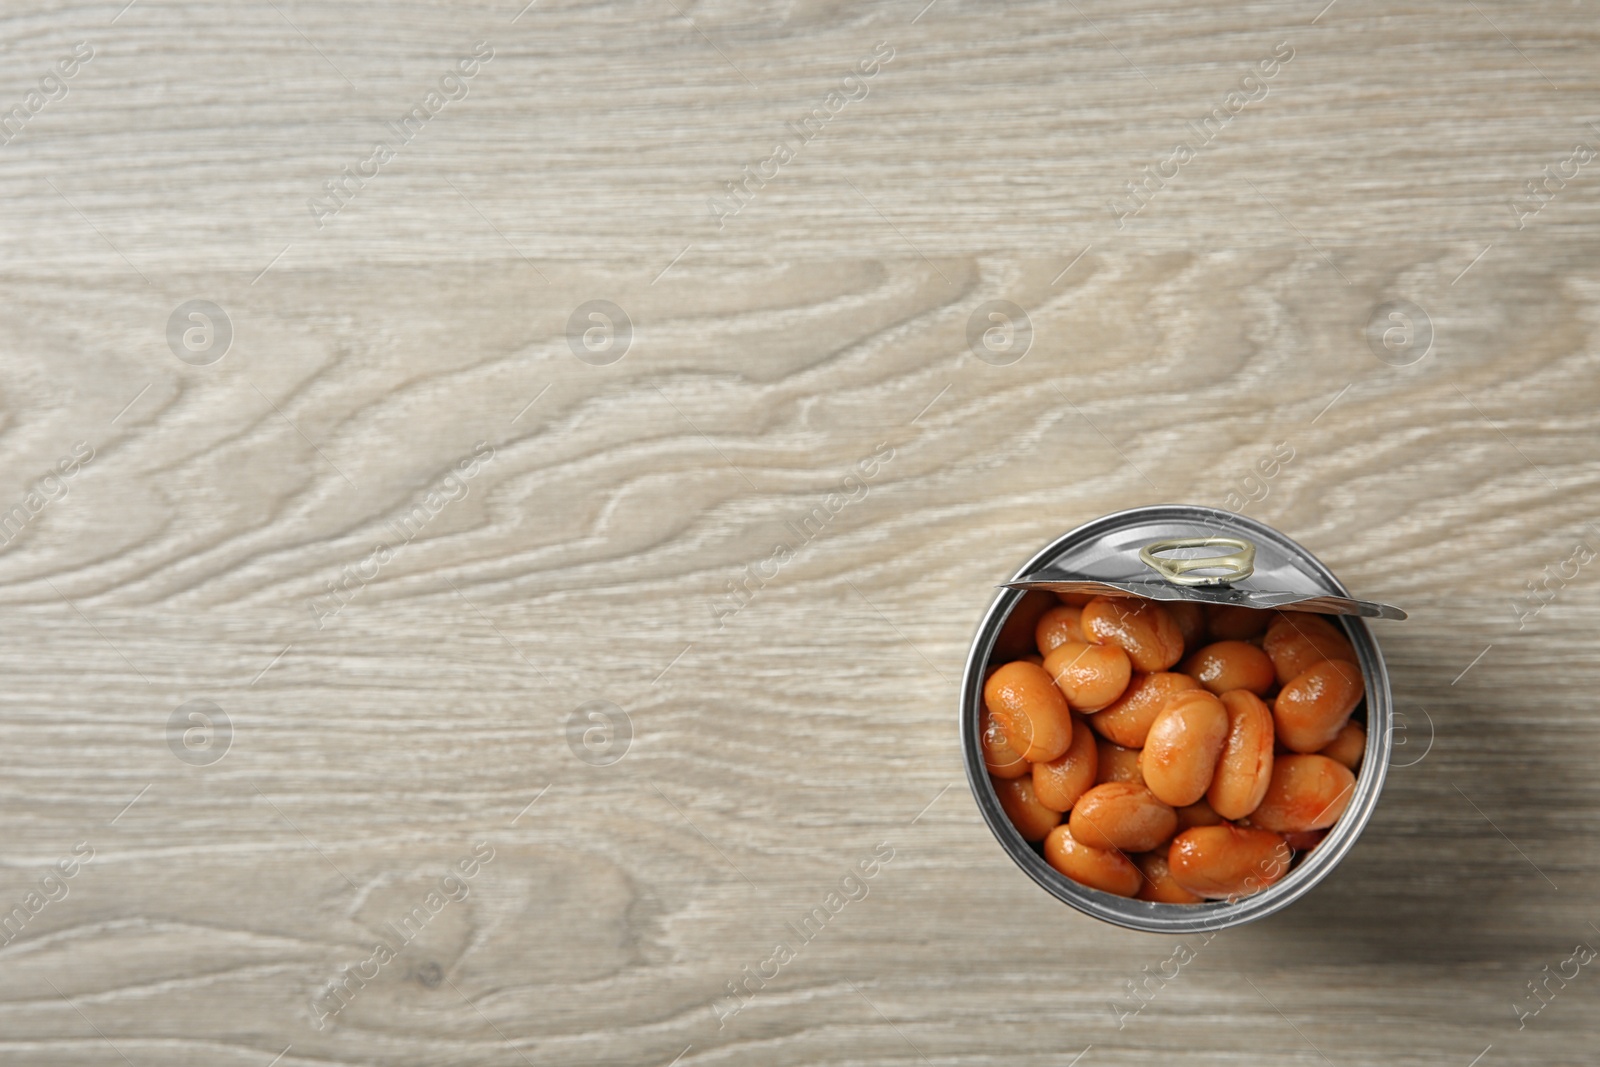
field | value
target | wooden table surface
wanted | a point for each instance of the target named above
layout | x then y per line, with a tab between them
401	595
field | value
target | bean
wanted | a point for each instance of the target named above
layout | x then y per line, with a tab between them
1197	814
1089	676
1127	720
1182	749
1059	783
1228	622
1076	600
1123	816
1191	620
1056	627
1244	769
1225	665
1298	640
1032	819
1306	793
1111	872
1220	862
1117	764
999	758
1030	709
1159	886
1348	746
1312	709
1305	840
1016	637
1143	629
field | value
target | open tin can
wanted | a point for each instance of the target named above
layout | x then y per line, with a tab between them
1127	554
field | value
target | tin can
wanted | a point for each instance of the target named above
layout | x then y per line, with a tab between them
1112	540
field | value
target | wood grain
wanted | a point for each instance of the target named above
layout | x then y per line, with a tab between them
610	509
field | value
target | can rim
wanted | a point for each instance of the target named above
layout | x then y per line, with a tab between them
1147	916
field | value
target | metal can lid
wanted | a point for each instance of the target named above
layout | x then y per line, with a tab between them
1171	552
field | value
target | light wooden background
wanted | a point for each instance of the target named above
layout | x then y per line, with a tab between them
768	357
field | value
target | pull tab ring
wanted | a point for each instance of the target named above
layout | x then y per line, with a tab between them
1235	567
